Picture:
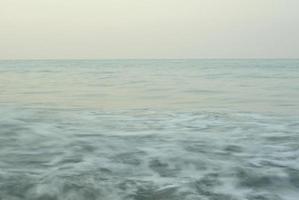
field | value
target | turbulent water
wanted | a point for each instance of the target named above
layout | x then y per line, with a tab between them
149	130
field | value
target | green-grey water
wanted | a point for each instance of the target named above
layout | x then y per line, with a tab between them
149	129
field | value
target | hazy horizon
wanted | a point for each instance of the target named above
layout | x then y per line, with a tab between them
103	59
141	29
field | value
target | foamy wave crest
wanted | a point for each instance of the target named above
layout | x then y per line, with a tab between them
145	155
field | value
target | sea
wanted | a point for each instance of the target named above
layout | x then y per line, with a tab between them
155	129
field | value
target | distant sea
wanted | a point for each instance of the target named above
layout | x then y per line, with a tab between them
149	129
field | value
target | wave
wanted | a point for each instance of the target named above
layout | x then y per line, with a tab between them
147	154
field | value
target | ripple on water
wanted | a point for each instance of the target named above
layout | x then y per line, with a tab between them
76	154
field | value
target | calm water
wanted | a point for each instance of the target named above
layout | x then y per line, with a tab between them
149	130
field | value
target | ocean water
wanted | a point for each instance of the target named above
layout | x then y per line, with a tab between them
149	129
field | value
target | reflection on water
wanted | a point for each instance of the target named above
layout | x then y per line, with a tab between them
239	85
149	129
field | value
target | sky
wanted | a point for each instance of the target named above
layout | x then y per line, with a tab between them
107	29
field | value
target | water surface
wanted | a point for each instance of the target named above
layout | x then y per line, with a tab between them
149	129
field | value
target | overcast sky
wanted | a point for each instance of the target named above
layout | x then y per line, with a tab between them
33	29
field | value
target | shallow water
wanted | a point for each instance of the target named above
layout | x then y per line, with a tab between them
149	129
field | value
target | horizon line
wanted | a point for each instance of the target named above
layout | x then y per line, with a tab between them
251	58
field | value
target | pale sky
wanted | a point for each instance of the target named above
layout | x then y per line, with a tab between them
99	29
